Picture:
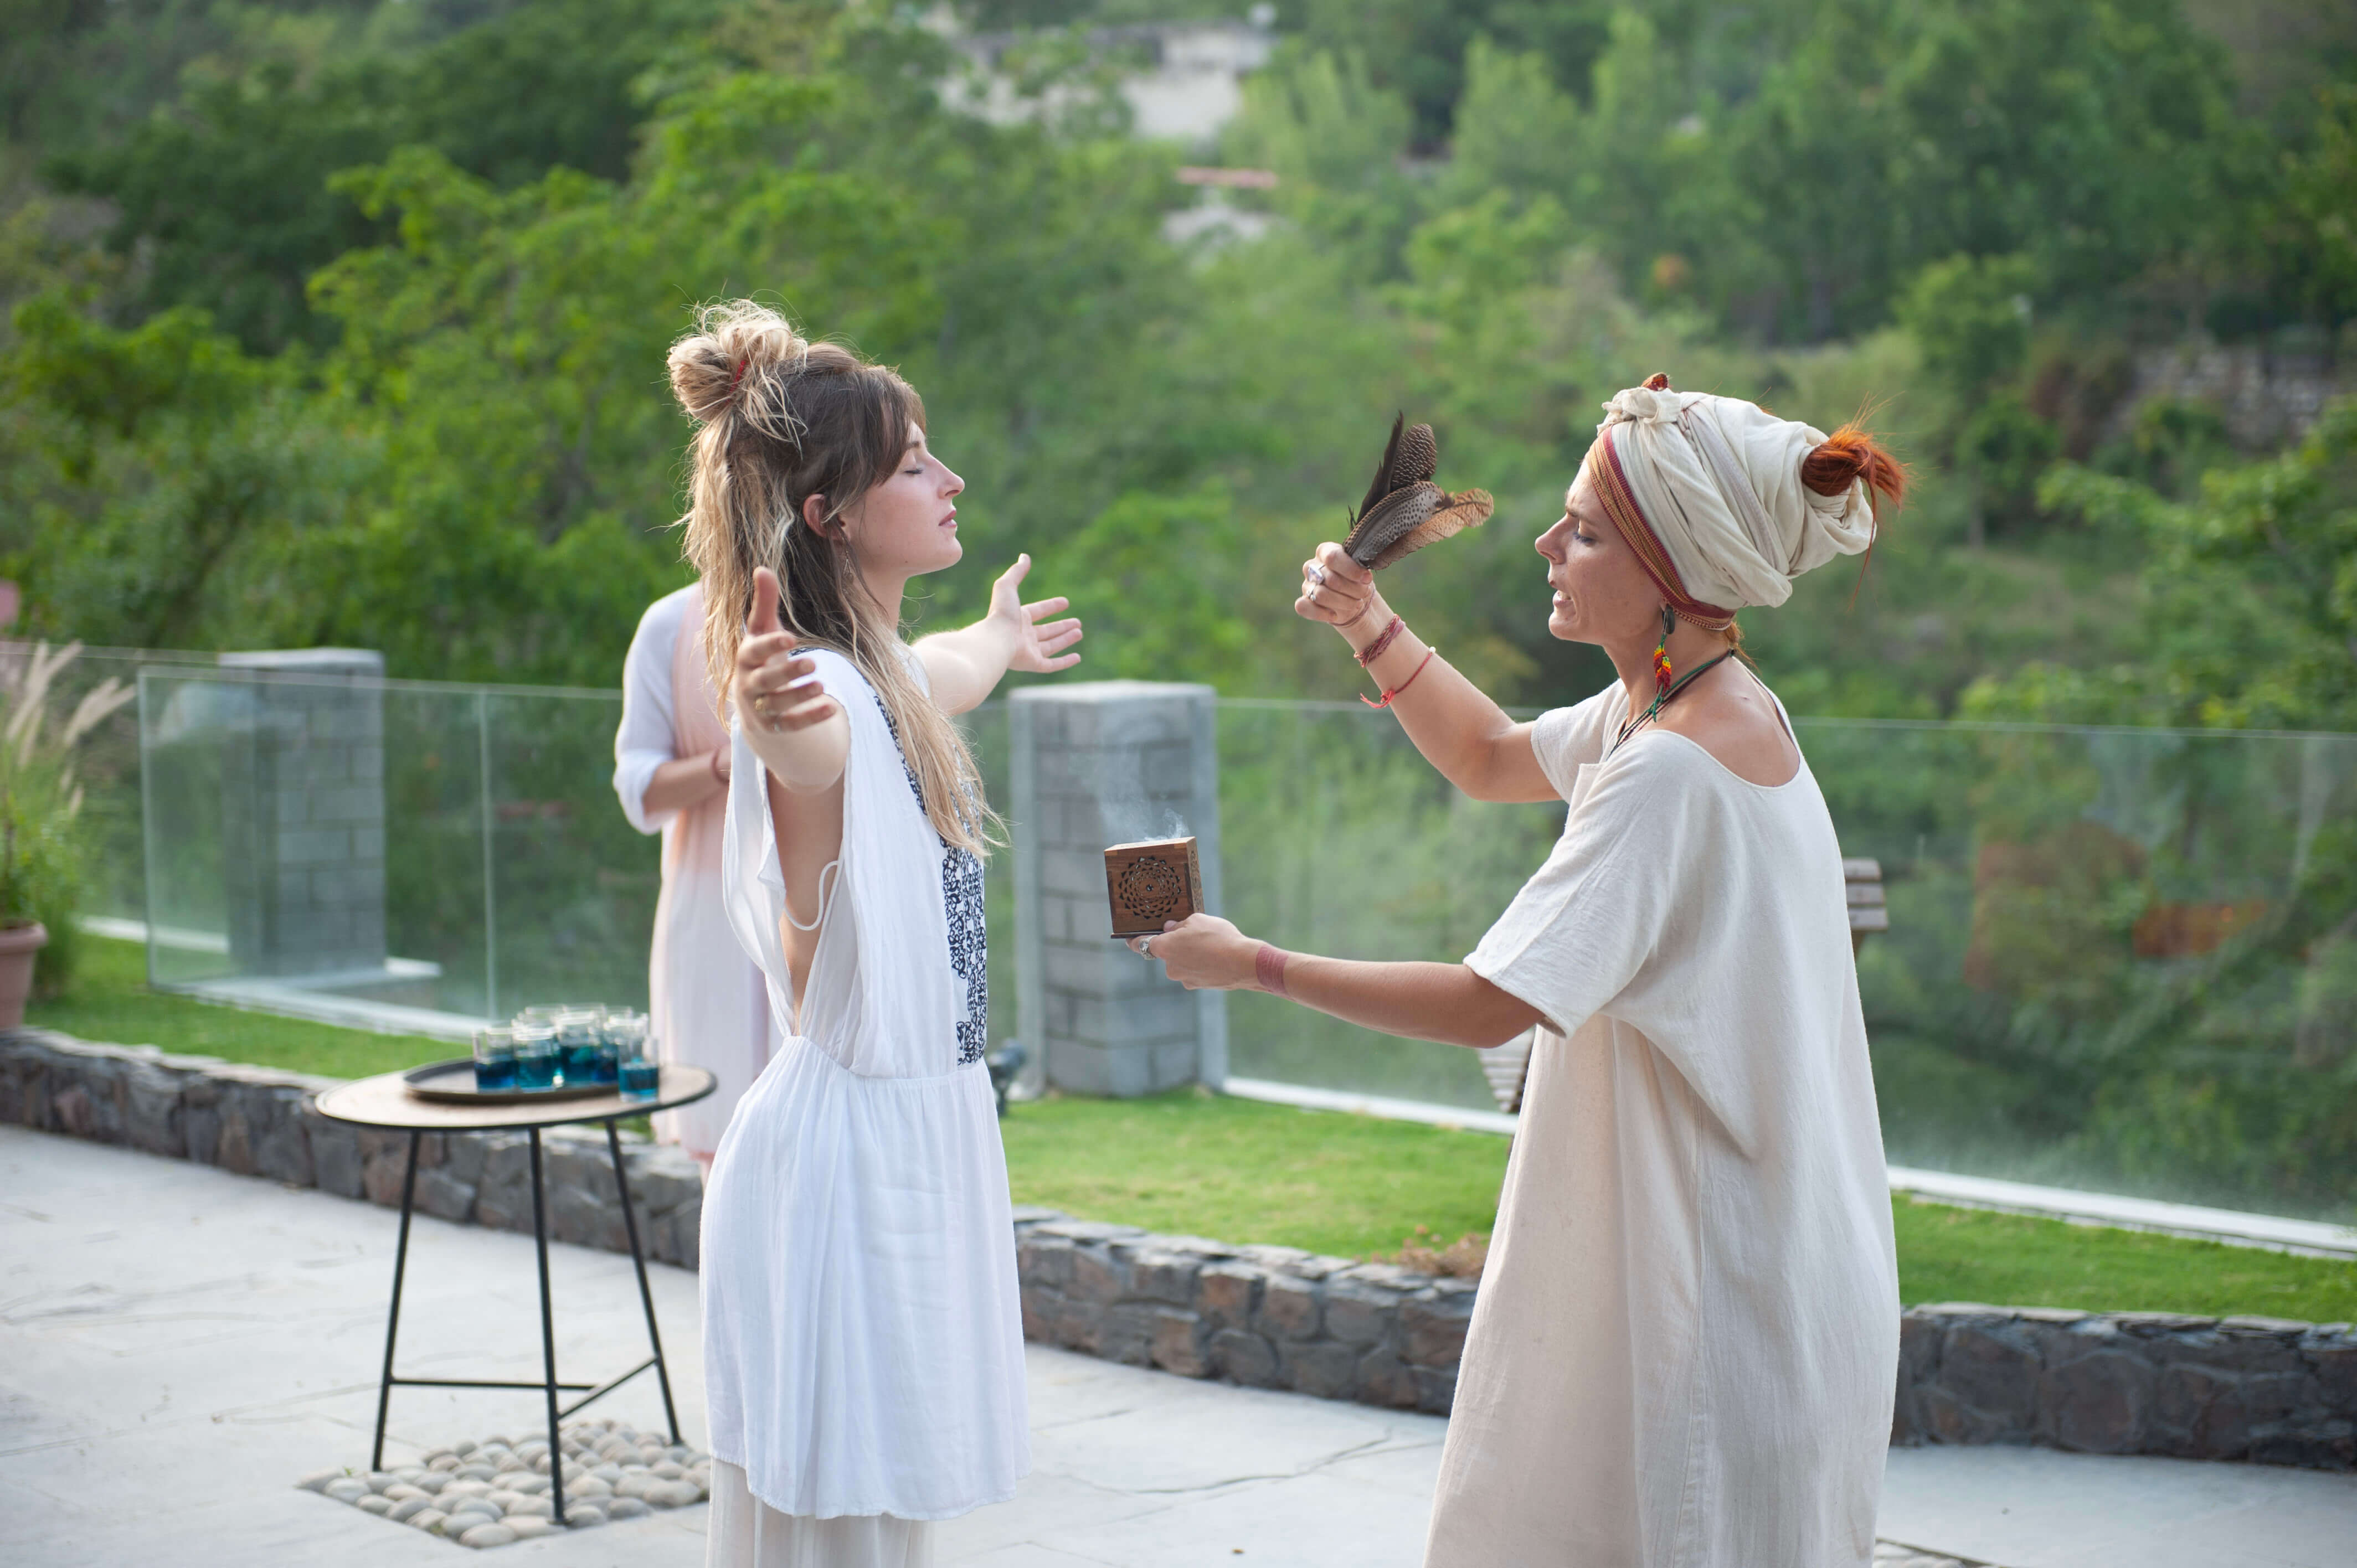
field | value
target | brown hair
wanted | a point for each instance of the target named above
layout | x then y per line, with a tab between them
783	419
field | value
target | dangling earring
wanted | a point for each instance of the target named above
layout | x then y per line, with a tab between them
1662	649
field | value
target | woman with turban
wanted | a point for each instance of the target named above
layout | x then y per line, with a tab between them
1687	1333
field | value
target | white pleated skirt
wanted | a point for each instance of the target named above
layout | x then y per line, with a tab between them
749	1533
862	1335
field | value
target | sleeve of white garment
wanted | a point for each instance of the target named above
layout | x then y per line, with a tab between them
1605	904
643	743
1563	738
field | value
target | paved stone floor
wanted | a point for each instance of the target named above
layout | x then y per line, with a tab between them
178	1346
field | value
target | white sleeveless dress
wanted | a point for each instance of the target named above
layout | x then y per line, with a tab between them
863	1339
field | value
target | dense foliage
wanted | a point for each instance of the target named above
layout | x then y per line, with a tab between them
342	321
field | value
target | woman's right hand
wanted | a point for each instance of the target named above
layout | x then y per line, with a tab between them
778	695
1340	592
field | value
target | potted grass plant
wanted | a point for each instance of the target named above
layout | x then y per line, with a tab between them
40	852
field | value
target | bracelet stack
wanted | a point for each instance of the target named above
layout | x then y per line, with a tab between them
1375	649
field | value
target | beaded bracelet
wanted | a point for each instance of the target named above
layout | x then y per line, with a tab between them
1375	648
1429	655
1268	968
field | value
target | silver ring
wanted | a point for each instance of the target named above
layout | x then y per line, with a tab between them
1146	947
1315	573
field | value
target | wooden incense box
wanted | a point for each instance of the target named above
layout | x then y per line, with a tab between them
1148	883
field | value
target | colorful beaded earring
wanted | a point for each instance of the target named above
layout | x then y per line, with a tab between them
1662	649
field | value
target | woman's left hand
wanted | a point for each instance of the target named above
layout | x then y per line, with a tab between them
1038	644
1203	953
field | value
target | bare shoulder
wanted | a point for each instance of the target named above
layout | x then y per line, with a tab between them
1730	715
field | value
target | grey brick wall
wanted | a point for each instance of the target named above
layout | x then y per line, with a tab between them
303	813
1096	764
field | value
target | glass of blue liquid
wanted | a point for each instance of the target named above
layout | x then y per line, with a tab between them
625	1037
642	1074
495	1060
578	1040
538	1062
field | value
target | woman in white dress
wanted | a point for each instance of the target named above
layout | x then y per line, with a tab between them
707	1004
1687	1335
862	1338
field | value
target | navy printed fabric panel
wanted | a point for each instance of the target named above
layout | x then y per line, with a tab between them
961	896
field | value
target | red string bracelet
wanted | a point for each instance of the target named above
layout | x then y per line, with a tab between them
1429	655
1268	968
1375	648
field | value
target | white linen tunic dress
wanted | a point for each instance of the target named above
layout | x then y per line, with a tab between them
1686	1339
707	1004
863	1339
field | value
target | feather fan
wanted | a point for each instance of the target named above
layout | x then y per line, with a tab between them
1404	510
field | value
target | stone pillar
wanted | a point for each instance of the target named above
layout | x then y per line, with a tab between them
1093	765
303	813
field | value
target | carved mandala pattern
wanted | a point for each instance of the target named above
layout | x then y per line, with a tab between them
1151	888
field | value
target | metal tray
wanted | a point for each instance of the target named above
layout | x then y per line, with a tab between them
453	1083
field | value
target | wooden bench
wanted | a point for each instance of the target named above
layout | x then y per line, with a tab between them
1507	1067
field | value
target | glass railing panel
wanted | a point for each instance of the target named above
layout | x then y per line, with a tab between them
572	902
192	731
2121	960
1339	838
2117	958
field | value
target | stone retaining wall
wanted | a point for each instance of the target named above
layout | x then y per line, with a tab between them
260	1122
2237	1388
2262	1389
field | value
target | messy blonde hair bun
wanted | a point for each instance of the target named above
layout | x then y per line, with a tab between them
782	418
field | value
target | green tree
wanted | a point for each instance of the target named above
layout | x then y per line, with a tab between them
2247	614
229	203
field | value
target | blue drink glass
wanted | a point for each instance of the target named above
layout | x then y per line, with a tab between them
577	1042
642	1076
495	1060
625	1037
537	1064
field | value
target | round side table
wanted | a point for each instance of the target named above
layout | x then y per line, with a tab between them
385	1102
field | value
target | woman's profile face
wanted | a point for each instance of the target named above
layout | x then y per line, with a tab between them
1601	592
907	525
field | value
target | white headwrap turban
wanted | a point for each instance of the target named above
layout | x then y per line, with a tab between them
1707	490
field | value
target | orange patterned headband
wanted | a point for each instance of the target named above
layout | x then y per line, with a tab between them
1620	506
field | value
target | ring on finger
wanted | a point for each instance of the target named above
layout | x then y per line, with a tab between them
1146	947
1315	572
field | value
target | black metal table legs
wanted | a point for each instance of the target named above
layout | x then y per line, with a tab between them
547	1337
646	1295
393	1317
548	1384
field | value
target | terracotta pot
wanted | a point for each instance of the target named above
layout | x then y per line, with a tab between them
19	945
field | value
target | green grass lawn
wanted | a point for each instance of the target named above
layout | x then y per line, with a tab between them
1243	1171
111	1001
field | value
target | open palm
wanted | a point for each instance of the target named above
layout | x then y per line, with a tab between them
1038	643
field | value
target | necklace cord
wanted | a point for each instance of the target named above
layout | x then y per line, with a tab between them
1637	720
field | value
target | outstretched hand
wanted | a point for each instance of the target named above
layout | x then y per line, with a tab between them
773	690
1203	953
1038	644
